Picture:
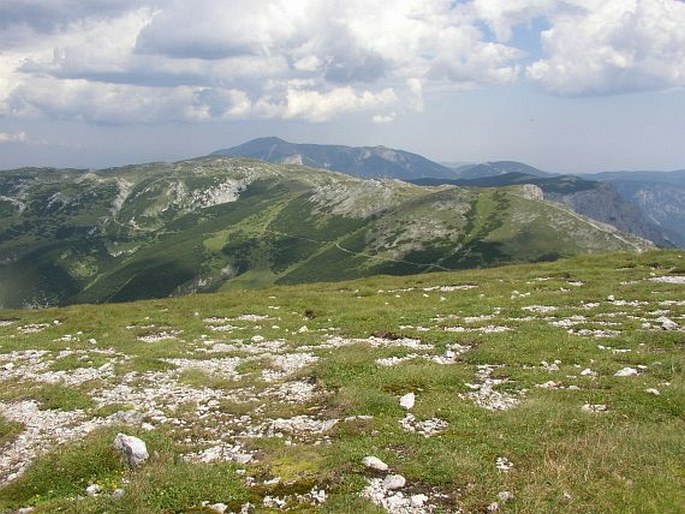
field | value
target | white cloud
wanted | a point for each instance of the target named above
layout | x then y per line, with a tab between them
14	137
503	15
126	61
212	59
379	119
613	46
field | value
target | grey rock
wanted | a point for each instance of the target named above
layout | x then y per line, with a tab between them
372	462
666	323
132	448
93	490
392	482
118	493
505	496
626	372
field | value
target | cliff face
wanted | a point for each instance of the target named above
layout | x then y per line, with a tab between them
604	203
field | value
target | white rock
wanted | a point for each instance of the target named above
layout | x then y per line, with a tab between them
611	298
26	510
587	372
93	490
667	324
505	496
597	407
218	507
626	372
118	493
133	449
408	400
418	500
392	482
504	464
653	391
372	462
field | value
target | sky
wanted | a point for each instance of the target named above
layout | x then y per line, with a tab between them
563	85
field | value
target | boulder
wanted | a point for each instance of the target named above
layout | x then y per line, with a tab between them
392	482
374	463
407	401
133	449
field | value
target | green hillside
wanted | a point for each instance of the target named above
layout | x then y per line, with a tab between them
148	231
549	387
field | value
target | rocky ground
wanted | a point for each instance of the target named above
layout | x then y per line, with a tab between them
219	380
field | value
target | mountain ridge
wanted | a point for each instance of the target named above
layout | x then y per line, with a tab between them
218	222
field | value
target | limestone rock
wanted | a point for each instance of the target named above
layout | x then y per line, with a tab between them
133	449
372	462
666	323
392	482
408	400
626	372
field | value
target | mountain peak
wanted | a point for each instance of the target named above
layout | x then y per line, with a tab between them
367	162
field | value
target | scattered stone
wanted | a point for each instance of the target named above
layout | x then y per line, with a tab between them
505	496
372	462
666	323
218	507
93	490
426	428
653	391
396	502
133	449
550	367
26	510
626	372
669	280
594	408
483	393
541	309
407	401
587	372
392	482
118	493
504	464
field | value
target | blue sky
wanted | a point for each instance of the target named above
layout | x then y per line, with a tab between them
564	85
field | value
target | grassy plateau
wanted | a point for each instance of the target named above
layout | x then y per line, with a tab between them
549	387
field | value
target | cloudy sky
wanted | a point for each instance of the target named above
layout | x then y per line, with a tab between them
565	85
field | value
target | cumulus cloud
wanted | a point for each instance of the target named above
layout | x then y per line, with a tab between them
384	118
126	61
503	15
613	46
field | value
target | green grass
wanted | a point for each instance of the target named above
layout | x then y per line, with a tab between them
627	459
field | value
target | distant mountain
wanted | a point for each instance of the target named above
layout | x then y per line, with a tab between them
659	195
365	162
155	230
597	200
494	169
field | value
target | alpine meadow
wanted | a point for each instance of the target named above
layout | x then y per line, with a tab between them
351	257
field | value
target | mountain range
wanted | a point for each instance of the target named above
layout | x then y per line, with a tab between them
219	222
364	162
647	204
